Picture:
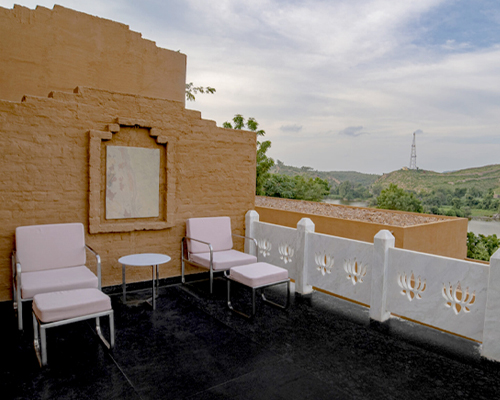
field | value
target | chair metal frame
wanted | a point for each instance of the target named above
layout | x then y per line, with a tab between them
185	251
16	284
40	341
254	289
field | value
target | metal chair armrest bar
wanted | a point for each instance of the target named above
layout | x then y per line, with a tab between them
98	261
210	248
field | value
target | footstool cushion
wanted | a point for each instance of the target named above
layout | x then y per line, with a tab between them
57	306
258	274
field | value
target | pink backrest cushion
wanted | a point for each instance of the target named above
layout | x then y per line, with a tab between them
41	247
215	230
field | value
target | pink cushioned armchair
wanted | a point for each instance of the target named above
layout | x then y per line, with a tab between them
209	244
50	258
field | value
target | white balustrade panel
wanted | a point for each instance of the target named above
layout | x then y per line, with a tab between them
278	245
340	266
442	292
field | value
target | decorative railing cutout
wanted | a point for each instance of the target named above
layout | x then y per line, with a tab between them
355	271
265	247
457	298
286	253
412	288
324	263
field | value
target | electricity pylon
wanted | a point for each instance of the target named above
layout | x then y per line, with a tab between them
413	157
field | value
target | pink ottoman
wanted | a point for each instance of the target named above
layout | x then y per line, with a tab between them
258	276
65	307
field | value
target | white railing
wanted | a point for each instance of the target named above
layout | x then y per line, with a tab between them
457	296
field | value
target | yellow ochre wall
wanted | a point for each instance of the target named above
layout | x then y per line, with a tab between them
128	92
447	237
44	167
43	50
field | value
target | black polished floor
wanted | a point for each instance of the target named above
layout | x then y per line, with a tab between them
193	347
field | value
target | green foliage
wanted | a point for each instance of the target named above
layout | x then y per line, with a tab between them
297	187
350	191
481	247
395	198
264	163
191	90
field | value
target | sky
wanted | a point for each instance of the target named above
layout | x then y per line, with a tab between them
338	85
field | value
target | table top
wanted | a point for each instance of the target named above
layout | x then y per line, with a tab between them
144	259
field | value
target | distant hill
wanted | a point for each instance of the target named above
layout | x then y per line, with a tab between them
482	178
334	178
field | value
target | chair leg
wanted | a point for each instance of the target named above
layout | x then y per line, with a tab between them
111	342
112	329
211	280
19	313
183	279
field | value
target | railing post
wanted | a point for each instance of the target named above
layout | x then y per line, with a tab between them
491	332
304	227
382	242
250	217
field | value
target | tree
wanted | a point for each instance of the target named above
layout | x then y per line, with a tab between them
481	247
296	187
191	90
346	190
395	198
264	163
280	185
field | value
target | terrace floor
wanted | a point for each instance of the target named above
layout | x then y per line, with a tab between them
193	347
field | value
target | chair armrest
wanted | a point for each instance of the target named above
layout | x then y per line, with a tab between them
13	261
199	241
18	276
249	238
16	270
210	248
98	260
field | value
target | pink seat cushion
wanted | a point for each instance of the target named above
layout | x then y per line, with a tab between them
258	274
223	260
214	230
57	306
55	280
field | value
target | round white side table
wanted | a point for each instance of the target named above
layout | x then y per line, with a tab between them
143	260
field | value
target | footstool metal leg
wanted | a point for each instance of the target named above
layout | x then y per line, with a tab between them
36	340
254	289
276	304
43	339
253	302
230	306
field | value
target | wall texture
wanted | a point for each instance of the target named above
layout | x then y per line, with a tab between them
45	177
43	50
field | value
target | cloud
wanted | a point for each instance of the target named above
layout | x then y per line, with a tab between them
353	131
452	45
384	64
291	128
